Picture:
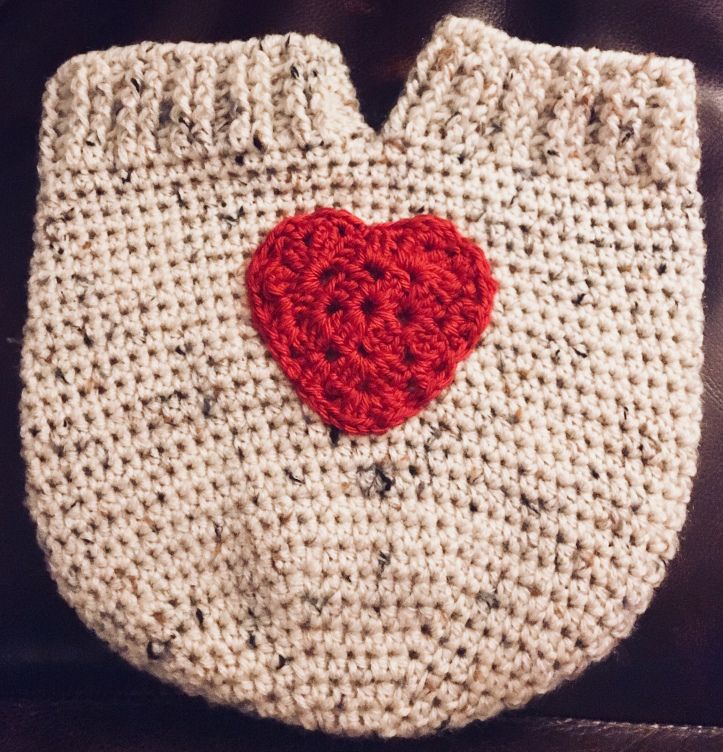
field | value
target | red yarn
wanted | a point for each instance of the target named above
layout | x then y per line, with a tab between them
369	321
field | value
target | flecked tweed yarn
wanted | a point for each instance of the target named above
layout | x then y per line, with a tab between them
210	526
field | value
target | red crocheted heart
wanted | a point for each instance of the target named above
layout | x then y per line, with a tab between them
369	321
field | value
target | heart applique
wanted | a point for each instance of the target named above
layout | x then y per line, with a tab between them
369	322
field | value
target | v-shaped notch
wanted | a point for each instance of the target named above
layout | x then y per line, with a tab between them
472	89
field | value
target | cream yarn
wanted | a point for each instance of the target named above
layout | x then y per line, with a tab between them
210	527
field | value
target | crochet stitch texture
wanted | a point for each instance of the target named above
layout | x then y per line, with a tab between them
210	527
369	323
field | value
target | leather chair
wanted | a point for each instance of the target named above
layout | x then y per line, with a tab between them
61	688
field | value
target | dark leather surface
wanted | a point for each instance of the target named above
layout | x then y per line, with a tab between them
60	688
158	726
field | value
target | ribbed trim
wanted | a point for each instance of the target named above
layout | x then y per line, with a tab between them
478	90
473	90
131	105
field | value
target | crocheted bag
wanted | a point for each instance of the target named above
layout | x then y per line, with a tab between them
368	432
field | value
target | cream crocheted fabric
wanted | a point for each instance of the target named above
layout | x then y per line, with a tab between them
210	527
